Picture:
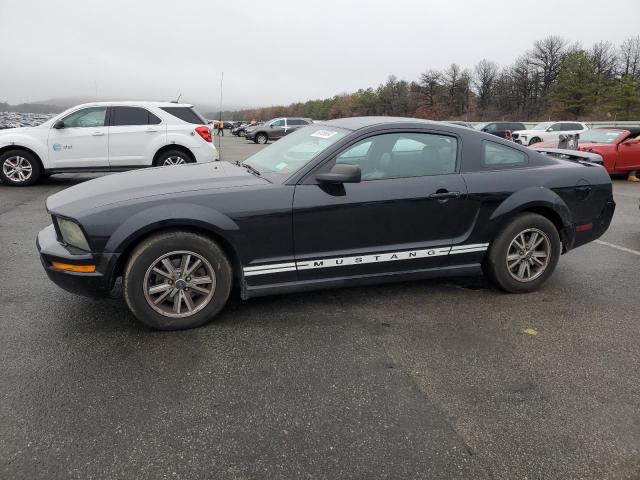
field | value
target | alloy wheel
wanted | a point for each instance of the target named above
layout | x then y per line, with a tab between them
17	169
528	255
173	160
179	284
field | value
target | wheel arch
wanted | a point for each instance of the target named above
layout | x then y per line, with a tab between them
172	146
538	200
183	217
6	148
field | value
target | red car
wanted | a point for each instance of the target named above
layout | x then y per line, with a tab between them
619	148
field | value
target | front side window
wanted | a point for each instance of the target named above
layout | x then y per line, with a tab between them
571	126
399	155
278	123
496	155
121	116
556	127
87	117
492	127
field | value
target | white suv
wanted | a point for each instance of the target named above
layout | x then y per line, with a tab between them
106	137
547	132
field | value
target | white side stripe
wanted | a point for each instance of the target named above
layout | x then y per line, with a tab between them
362	259
269	266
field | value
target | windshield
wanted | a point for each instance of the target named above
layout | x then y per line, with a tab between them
600	136
292	152
542	126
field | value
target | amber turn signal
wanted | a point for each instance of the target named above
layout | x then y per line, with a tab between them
73	268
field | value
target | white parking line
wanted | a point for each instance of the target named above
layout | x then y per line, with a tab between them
618	247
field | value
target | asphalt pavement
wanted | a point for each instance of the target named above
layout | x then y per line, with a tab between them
433	379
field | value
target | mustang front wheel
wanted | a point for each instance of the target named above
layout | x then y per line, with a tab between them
524	254
177	280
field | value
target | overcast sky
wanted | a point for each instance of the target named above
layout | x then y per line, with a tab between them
271	51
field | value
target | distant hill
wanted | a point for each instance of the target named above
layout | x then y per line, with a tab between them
57	105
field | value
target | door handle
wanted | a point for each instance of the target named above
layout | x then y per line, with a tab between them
445	195
97	134
150	130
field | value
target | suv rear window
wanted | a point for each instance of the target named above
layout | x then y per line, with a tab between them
121	116
186	114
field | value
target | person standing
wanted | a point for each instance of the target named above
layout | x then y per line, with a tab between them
221	127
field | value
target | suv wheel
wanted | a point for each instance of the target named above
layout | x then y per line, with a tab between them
534	140
177	280
262	138
524	255
19	168
173	157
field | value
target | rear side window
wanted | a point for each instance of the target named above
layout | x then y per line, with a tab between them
186	114
517	126
495	155
128	116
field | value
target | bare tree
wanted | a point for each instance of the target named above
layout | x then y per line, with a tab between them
604	57
548	56
485	74
630	56
430	84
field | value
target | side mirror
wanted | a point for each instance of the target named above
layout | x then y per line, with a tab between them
341	173
58	125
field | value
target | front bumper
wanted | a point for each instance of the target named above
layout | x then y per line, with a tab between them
249	135
94	284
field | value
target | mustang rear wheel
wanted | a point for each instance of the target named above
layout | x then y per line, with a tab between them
524	255
177	280
19	168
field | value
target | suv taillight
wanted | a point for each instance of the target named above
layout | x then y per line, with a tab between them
205	133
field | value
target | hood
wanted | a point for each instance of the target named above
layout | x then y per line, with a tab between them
8	132
149	182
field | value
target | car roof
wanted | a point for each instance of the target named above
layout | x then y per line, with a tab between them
132	103
356	123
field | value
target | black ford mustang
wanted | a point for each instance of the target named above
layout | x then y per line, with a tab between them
345	202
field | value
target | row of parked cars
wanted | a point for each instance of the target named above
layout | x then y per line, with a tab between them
121	136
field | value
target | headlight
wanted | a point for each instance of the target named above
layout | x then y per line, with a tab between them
523	137
72	233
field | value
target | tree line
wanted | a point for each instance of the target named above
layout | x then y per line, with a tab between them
554	79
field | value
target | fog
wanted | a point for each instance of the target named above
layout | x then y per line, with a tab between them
271	52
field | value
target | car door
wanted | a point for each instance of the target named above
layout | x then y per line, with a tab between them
277	128
81	142
403	215
553	132
133	131
629	155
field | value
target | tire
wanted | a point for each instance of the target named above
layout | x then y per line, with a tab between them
262	138
496	265
534	140
173	157
19	168
177	314
241	133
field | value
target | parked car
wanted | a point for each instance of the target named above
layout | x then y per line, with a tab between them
275	129
345	202
240	130
106	137
618	147
547	132
500	129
